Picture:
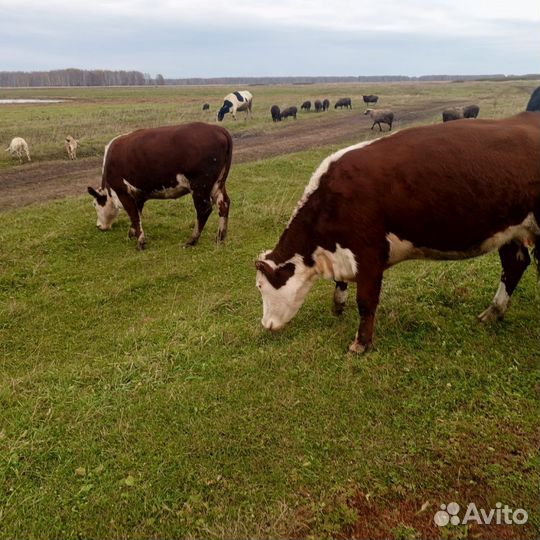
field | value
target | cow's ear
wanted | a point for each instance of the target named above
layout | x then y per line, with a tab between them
264	268
100	198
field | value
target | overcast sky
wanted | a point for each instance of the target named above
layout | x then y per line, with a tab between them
212	38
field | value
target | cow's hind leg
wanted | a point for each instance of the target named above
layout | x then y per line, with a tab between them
133	209
514	259
340	297
223	203
203	207
368	288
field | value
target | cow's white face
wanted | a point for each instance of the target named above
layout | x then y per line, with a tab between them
107	208
283	289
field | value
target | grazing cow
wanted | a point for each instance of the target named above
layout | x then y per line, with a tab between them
289	111
343	102
306	106
236	101
165	163
276	115
370	99
318	105
454	113
534	101
19	147
206	107
471	111
325	104
380	202
381	116
71	147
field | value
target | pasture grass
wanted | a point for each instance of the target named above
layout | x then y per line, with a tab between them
140	397
96	115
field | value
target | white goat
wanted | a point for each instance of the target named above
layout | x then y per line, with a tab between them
17	147
71	147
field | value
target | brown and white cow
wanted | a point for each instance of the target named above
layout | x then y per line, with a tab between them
165	163
438	192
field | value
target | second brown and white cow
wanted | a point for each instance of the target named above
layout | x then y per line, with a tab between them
434	192
165	163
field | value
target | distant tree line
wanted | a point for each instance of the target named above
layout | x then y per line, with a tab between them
77	77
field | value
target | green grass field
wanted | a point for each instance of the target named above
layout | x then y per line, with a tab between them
141	398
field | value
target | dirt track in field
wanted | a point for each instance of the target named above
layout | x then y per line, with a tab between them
39	182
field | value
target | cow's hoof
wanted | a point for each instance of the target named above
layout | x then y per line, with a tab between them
338	309
132	233
357	348
141	243
491	314
190	243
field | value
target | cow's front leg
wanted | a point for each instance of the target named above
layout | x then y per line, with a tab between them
134	209
368	288
203	207
340	297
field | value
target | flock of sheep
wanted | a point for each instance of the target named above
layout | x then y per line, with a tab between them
19	147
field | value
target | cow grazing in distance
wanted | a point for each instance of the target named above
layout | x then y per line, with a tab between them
454	113
18	147
471	111
325	104
343	102
206	107
318	105
380	202
165	163
236	101
289	111
370	99
534	102
306	106
71	145
276	114
381	116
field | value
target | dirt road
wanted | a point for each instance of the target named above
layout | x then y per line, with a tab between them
43	181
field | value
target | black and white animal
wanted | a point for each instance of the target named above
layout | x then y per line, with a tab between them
381	116
318	105
165	163
343	102
236	101
289	111
325	104
370	99
306	106
276	114
206	107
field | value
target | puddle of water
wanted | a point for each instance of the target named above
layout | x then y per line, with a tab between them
10	101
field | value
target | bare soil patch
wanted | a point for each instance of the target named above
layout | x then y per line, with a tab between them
39	182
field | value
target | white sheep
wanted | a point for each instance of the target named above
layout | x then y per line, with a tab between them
71	147
18	147
381	116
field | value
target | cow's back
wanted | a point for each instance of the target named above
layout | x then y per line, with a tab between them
153	157
443	186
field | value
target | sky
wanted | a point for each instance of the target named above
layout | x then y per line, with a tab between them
235	38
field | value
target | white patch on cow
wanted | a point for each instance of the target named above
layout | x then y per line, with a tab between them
322	169
181	188
340	296
281	305
524	233
339	265
498	306
106	153
108	213
135	192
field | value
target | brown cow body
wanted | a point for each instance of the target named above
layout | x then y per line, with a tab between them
432	192
165	163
